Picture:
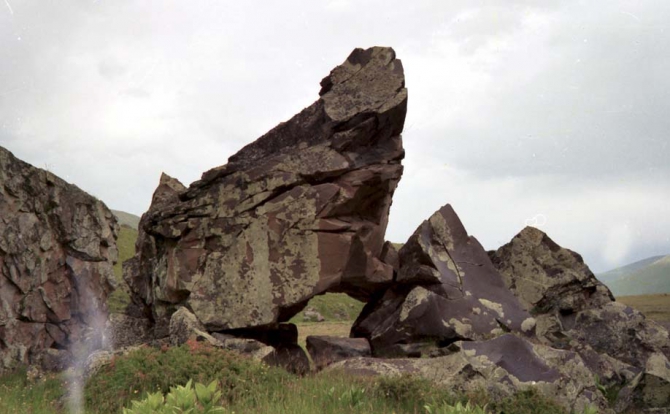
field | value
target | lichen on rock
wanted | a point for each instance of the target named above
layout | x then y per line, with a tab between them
299	212
57	249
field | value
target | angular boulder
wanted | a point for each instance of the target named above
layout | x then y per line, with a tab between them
577	312
300	211
502	366
446	290
326	350
546	277
57	249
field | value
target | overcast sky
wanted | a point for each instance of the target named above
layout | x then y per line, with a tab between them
555	115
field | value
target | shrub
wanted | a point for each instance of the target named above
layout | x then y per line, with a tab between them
181	399
527	402
454	409
150	370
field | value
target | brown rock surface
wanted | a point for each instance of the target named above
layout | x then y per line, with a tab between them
446	290
290	357
57	249
300	211
326	350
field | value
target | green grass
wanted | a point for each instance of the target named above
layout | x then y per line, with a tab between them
333	307
654	307
119	299
248	387
20	396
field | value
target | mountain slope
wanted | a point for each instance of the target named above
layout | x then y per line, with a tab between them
127	219
648	276
623	271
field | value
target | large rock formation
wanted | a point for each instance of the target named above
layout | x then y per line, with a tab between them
299	212
446	290
57	249
575	311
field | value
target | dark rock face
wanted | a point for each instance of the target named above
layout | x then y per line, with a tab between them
326	350
546	277
57	249
290	357
575	311
446	290
300	211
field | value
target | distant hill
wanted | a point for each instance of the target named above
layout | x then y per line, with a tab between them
128	219
648	276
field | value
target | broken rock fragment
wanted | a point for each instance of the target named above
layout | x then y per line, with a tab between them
446	290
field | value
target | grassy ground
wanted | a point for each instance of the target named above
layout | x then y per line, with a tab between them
118	300
20	396
654	307
340	328
248	387
333	307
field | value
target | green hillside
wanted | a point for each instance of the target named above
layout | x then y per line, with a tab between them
126	245
127	219
621	272
650	277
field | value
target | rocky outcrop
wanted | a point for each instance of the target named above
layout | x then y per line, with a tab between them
546	277
446	290
501	366
300	211
326	350
57	249
575	311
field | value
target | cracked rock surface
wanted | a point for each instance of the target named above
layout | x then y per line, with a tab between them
446	290
299	212
575	311
57	249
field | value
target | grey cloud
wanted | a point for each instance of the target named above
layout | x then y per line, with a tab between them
110	69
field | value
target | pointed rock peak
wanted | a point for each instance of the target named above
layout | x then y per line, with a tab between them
536	237
171	182
168	190
547	277
366	93
375	74
446	289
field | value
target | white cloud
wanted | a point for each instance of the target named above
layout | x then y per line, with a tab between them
515	110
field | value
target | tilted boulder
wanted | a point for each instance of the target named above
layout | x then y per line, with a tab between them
575	311
57	249
326	350
446	290
299	212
